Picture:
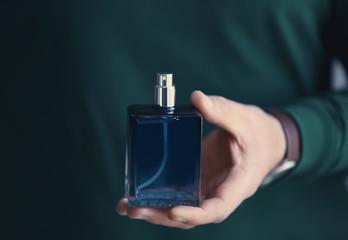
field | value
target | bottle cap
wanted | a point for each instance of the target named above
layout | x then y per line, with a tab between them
164	91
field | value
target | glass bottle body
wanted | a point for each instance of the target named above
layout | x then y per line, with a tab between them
163	159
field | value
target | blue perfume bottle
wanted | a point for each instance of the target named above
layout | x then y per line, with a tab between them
163	156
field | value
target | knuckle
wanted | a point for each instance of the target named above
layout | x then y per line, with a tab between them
154	221
195	222
186	227
251	191
221	212
222	217
219	220
172	215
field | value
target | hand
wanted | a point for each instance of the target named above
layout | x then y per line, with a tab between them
236	157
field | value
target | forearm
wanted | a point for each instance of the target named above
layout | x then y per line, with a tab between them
323	127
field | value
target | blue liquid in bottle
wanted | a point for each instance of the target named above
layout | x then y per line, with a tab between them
163	161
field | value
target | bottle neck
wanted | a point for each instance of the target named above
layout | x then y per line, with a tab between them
164	110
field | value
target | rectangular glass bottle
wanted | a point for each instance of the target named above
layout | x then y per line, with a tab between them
163	161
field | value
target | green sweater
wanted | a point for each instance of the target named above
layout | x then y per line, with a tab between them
70	68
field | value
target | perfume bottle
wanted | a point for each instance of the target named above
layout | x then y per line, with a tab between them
163	155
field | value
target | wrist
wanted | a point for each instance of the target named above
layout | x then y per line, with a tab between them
292	152
291	132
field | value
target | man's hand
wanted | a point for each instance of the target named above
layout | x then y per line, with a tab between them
236	157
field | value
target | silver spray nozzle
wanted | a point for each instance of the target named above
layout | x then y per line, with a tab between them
164	90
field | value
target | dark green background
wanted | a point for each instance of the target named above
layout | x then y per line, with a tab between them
70	68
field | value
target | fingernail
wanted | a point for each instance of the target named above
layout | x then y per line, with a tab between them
121	207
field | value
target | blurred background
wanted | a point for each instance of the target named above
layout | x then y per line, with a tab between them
69	69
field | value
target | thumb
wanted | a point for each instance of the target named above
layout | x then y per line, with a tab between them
218	110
